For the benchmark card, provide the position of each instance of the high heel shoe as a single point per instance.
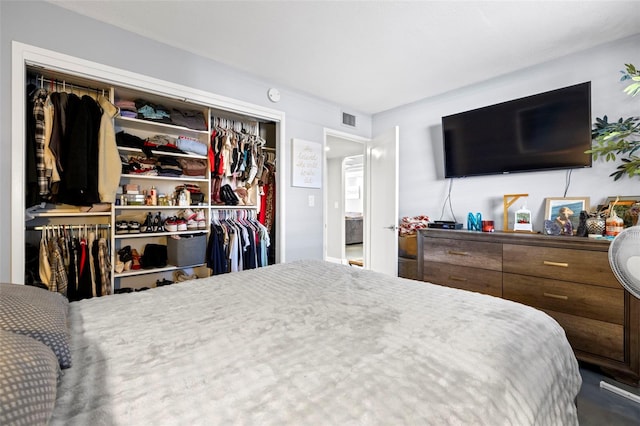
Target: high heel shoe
(157, 223)
(148, 224)
(135, 259)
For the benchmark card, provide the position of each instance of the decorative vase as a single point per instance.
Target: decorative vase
(614, 223)
(596, 224)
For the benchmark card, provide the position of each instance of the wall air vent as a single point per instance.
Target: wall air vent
(348, 119)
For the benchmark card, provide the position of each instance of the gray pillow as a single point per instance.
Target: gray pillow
(29, 374)
(37, 313)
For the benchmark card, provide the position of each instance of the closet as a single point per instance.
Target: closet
(140, 185)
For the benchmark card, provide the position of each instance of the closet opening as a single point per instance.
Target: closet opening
(46, 212)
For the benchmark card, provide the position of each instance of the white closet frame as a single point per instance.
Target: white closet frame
(24, 55)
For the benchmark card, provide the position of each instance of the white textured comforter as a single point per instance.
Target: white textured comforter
(312, 343)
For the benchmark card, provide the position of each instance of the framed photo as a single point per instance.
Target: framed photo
(624, 209)
(565, 213)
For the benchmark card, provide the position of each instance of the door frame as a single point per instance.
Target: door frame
(325, 190)
(24, 55)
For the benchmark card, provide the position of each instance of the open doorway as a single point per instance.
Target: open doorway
(344, 199)
(379, 194)
(353, 177)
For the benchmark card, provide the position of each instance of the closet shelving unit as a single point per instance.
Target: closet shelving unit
(164, 185)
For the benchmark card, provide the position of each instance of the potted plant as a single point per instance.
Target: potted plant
(621, 137)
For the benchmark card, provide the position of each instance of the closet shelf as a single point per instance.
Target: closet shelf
(154, 208)
(161, 153)
(69, 214)
(148, 125)
(143, 271)
(225, 207)
(158, 234)
(152, 177)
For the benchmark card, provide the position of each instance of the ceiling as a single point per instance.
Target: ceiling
(371, 56)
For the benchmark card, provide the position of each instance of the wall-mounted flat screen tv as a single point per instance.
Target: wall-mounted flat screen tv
(547, 131)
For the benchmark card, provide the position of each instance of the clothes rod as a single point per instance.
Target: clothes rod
(40, 80)
(74, 226)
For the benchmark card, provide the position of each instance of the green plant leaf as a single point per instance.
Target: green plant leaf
(621, 137)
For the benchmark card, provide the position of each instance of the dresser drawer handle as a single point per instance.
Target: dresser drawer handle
(563, 265)
(454, 278)
(556, 296)
(458, 253)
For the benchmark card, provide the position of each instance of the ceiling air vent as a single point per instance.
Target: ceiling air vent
(348, 119)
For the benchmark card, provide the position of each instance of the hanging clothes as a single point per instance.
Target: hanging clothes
(104, 267)
(77, 267)
(234, 156)
(80, 176)
(39, 99)
(32, 196)
(237, 242)
(108, 156)
(71, 149)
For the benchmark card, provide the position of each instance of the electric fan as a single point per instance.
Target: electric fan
(624, 258)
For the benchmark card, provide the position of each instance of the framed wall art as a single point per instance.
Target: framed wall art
(307, 164)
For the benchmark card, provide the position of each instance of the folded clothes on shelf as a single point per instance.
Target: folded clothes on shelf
(191, 145)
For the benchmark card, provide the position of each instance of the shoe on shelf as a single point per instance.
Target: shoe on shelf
(119, 266)
(188, 214)
(192, 225)
(122, 227)
(201, 219)
(181, 276)
(171, 224)
(134, 227)
(157, 222)
(124, 256)
(146, 225)
(181, 224)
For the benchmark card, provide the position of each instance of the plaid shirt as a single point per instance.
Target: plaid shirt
(39, 99)
(104, 266)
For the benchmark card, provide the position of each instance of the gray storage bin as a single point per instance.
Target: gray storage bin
(188, 250)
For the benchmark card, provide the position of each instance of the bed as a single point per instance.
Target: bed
(311, 342)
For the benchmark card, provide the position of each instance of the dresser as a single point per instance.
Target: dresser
(569, 278)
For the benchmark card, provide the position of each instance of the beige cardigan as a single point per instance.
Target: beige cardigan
(109, 165)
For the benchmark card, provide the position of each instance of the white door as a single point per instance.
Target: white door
(381, 217)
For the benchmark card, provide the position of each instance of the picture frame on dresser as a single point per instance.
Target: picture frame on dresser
(555, 206)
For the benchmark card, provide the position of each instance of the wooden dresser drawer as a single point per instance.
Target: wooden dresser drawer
(408, 268)
(464, 277)
(591, 336)
(588, 301)
(583, 266)
(465, 253)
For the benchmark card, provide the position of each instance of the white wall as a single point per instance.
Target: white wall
(335, 217)
(423, 189)
(47, 26)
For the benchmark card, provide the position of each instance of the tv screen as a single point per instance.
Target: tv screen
(547, 131)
